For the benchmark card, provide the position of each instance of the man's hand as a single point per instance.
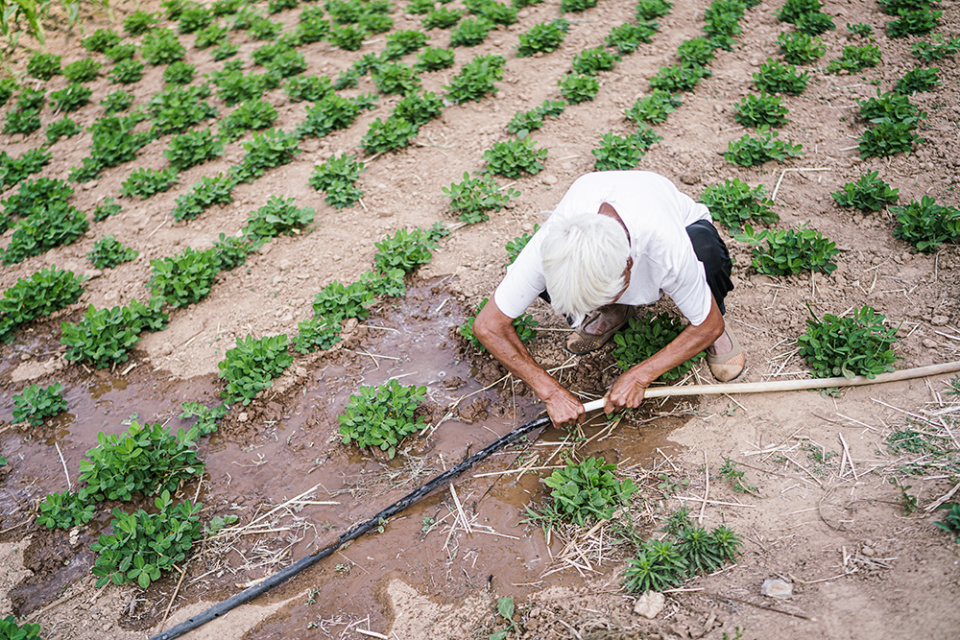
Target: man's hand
(626, 393)
(564, 409)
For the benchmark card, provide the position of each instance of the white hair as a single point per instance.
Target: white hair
(584, 256)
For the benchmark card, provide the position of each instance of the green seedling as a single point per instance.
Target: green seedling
(918, 80)
(759, 110)
(857, 345)
(644, 337)
(786, 251)
(628, 37)
(49, 289)
(733, 473)
(868, 193)
(678, 79)
(476, 79)
(143, 182)
(800, 48)
(515, 246)
(35, 404)
(617, 153)
(383, 416)
(545, 37)
(105, 337)
(926, 225)
(473, 199)
(592, 61)
(578, 88)
(751, 151)
(524, 325)
(734, 203)
(855, 58)
(251, 366)
(513, 158)
(108, 252)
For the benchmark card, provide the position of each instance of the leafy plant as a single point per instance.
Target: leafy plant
(577, 5)
(82, 70)
(749, 151)
(696, 52)
(722, 21)
(113, 102)
(785, 251)
(211, 36)
(234, 87)
(730, 471)
(404, 250)
(617, 153)
(861, 29)
(176, 109)
(926, 224)
(858, 345)
(644, 337)
(593, 61)
(337, 302)
(252, 365)
(10, 629)
(126, 72)
(473, 199)
(914, 22)
(143, 546)
(951, 522)
(383, 416)
(395, 78)
(101, 40)
(279, 216)
(104, 337)
(161, 46)
(654, 108)
(185, 278)
(937, 48)
(106, 209)
(232, 251)
(266, 150)
(868, 193)
(316, 334)
(46, 227)
(441, 18)
(71, 97)
(331, 113)
(140, 22)
(434, 59)
(578, 88)
(46, 291)
(207, 417)
(658, 566)
(800, 48)
(143, 182)
(887, 137)
(471, 32)
(192, 148)
(892, 105)
(524, 325)
(418, 109)
(347, 37)
(24, 121)
(652, 9)
(44, 65)
(505, 610)
(918, 80)
(515, 246)
(513, 158)
(585, 492)
(263, 29)
(734, 203)
(35, 404)
(250, 115)
(675, 79)
(400, 43)
(121, 52)
(765, 109)
(544, 37)
(34, 194)
(523, 122)
(337, 176)
(204, 193)
(855, 58)
(476, 79)
(64, 511)
(108, 252)
(627, 37)
(179, 72)
(193, 18)
(16, 170)
(309, 88)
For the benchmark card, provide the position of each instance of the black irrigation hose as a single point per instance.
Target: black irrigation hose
(413, 497)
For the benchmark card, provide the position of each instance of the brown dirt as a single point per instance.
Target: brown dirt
(860, 568)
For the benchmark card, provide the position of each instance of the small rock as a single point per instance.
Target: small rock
(300, 371)
(929, 344)
(243, 417)
(690, 177)
(166, 349)
(776, 588)
(867, 551)
(649, 605)
(549, 179)
(939, 321)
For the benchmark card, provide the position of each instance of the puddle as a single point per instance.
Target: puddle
(289, 445)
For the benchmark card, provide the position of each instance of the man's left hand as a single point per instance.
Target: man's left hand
(626, 393)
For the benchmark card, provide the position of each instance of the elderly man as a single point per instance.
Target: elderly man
(617, 239)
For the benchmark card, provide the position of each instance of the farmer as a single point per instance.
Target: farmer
(616, 240)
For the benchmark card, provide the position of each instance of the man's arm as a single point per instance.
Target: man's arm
(627, 392)
(495, 331)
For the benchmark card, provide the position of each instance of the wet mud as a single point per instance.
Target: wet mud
(286, 444)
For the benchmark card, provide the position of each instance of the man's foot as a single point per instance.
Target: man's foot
(725, 358)
(598, 328)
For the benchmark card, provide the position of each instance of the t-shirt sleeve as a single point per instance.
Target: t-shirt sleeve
(523, 283)
(686, 284)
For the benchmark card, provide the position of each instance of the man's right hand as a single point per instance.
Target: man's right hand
(564, 409)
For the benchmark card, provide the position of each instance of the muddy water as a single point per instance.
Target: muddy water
(287, 444)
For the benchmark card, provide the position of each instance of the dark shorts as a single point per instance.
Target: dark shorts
(712, 252)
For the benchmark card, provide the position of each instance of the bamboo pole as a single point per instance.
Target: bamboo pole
(790, 385)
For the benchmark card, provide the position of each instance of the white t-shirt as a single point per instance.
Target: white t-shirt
(656, 214)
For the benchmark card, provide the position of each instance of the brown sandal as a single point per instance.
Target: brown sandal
(730, 365)
(581, 343)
